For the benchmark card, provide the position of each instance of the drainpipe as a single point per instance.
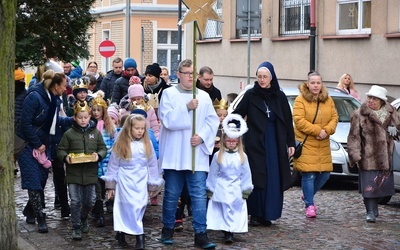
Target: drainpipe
(128, 28)
(312, 35)
(179, 32)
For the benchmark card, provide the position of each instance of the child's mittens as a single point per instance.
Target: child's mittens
(245, 194)
(209, 194)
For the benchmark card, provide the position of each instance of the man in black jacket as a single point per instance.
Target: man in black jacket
(107, 85)
(205, 82)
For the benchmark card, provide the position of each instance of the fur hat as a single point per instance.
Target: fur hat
(135, 90)
(130, 63)
(113, 113)
(19, 75)
(377, 91)
(234, 126)
(153, 69)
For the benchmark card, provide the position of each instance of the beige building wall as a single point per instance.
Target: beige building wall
(149, 15)
(370, 59)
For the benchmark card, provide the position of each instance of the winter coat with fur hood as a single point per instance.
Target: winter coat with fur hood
(316, 155)
(369, 143)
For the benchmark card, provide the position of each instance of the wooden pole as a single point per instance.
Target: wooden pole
(194, 93)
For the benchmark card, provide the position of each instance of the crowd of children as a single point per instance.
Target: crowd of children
(116, 163)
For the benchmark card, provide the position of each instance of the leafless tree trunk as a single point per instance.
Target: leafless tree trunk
(8, 227)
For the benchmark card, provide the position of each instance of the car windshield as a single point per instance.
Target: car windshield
(344, 106)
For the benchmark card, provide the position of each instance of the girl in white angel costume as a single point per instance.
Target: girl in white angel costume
(229, 181)
(133, 166)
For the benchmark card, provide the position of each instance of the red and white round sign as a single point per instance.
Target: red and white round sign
(107, 48)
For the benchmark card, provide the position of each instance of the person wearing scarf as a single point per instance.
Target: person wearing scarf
(205, 82)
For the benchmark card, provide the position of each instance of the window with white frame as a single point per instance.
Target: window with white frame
(214, 28)
(167, 50)
(295, 17)
(354, 17)
(242, 11)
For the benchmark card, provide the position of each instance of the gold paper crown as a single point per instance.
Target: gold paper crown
(223, 104)
(80, 83)
(139, 105)
(81, 107)
(99, 101)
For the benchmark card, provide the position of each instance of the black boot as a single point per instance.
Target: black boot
(42, 226)
(228, 237)
(98, 212)
(120, 237)
(29, 213)
(370, 207)
(376, 210)
(201, 240)
(167, 236)
(255, 221)
(139, 242)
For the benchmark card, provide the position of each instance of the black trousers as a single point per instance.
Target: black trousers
(59, 182)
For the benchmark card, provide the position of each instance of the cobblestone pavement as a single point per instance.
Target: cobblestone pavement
(340, 225)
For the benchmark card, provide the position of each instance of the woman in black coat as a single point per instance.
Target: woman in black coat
(269, 143)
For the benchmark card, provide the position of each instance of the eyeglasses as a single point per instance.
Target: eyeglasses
(186, 73)
(232, 141)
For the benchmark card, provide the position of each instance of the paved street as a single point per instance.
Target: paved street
(340, 225)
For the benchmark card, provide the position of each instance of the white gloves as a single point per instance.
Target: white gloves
(392, 130)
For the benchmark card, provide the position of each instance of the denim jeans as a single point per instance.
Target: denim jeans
(82, 198)
(196, 185)
(311, 182)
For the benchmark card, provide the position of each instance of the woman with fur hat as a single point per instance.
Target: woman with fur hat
(315, 162)
(154, 85)
(370, 144)
(269, 143)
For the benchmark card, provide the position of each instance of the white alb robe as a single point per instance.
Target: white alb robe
(227, 210)
(133, 177)
(176, 129)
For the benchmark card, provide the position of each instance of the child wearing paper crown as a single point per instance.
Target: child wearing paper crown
(108, 130)
(81, 177)
(79, 93)
(133, 166)
(229, 182)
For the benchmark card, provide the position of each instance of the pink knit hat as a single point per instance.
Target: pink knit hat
(135, 90)
(113, 113)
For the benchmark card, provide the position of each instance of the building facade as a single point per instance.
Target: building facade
(153, 32)
(359, 37)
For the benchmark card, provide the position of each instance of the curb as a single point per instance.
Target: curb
(23, 244)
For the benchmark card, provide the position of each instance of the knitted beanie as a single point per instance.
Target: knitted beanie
(113, 113)
(130, 63)
(153, 69)
(135, 90)
(19, 75)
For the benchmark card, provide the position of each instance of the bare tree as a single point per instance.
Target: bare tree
(8, 226)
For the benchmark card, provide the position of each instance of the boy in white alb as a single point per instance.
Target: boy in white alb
(176, 141)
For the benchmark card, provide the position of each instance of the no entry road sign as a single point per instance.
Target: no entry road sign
(107, 48)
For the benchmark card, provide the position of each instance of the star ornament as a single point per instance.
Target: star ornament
(200, 11)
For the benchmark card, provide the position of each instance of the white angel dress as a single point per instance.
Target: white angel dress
(227, 210)
(133, 177)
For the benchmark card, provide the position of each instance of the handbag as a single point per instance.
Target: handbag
(19, 145)
(299, 145)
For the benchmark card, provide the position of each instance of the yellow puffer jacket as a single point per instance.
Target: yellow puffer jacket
(316, 155)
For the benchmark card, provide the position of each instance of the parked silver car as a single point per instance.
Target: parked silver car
(345, 105)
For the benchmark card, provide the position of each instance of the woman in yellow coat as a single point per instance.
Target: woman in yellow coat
(315, 162)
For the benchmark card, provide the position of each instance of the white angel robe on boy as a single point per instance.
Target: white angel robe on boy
(176, 129)
(227, 210)
(133, 177)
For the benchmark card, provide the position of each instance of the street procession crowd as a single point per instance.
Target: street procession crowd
(114, 141)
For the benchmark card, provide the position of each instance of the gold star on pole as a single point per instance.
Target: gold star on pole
(200, 11)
